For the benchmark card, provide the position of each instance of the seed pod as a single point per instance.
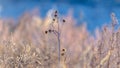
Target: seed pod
(63, 49)
(55, 15)
(63, 20)
(46, 32)
(50, 30)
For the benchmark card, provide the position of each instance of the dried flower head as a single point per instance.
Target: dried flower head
(63, 20)
(46, 32)
(63, 50)
(50, 30)
(55, 15)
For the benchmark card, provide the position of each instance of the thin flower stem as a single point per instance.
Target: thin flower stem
(59, 45)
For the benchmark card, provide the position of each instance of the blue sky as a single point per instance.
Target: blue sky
(95, 12)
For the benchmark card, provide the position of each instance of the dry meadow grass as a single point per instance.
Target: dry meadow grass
(31, 43)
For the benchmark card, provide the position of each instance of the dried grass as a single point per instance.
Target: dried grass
(25, 45)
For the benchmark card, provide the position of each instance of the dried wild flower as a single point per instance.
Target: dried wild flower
(63, 20)
(55, 15)
(50, 30)
(46, 32)
(63, 50)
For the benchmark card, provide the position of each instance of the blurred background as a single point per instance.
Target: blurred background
(93, 12)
